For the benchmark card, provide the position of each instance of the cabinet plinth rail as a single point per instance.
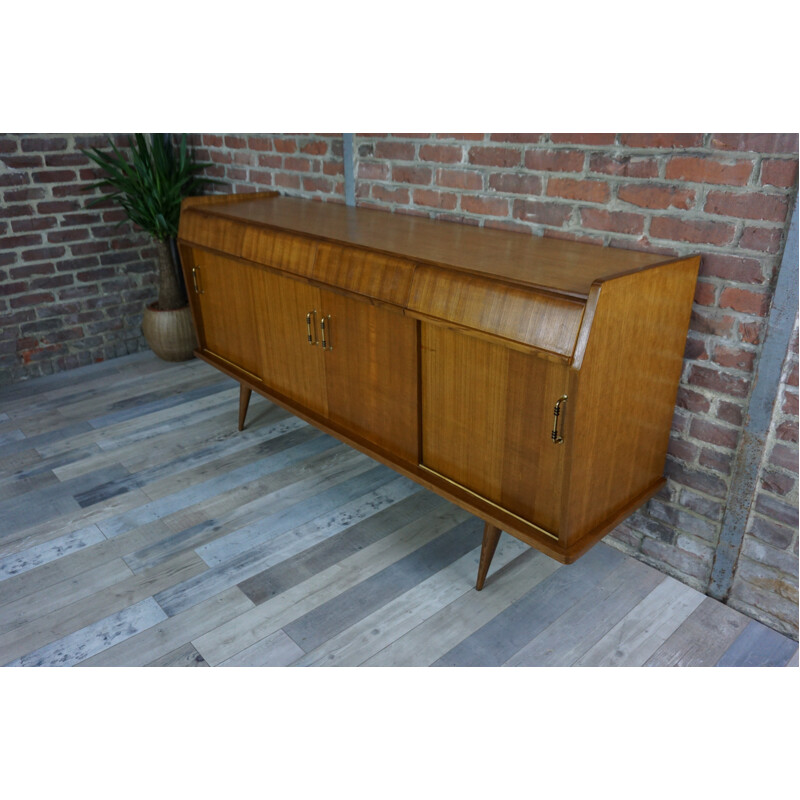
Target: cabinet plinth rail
(457, 355)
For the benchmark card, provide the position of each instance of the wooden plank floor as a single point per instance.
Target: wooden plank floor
(139, 527)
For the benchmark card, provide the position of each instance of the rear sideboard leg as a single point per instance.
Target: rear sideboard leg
(491, 536)
(244, 401)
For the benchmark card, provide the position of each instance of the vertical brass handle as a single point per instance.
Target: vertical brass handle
(557, 437)
(312, 335)
(324, 332)
(197, 288)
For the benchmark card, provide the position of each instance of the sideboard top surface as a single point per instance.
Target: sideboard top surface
(554, 265)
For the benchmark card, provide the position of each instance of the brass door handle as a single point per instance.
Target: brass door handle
(325, 328)
(197, 288)
(557, 437)
(312, 335)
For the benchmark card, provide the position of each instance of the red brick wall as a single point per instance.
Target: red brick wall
(725, 196)
(72, 283)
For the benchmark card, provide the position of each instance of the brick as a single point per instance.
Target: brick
(765, 240)
(395, 151)
(66, 160)
(22, 162)
(754, 205)
(787, 431)
(616, 221)
(692, 401)
(587, 190)
(730, 412)
(757, 142)
(541, 213)
(734, 357)
(391, 195)
(459, 179)
(516, 138)
(708, 170)
(317, 184)
(13, 288)
(686, 521)
(624, 166)
(745, 300)
(468, 137)
(554, 160)
(221, 157)
(784, 456)
(373, 171)
(681, 561)
(651, 195)
(235, 142)
(8, 144)
(750, 332)
(57, 206)
(443, 153)
(776, 509)
(514, 183)
(682, 450)
(705, 506)
(714, 434)
(489, 206)
(696, 479)
(770, 556)
(418, 175)
(314, 147)
(17, 210)
(30, 270)
(33, 144)
(733, 268)
(270, 160)
(14, 179)
(583, 138)
(723, 382)
(333, 168)
(434, 199)
(661, 140)
(693, 231)
(790, 404)
(288, 181)
(68, 235)
(297, 164)
(779, 172)
(495, 156)
(33, 299)
(259, 143)
(705, 294)
(711, 323)
(54, 176)
(714, 459)
(777, 482)
(21, 195)
(285, 145)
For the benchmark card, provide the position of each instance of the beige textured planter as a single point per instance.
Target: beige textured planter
(170, 334)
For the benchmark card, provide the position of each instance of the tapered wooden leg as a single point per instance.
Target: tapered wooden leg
(244, 401)
(491, 536)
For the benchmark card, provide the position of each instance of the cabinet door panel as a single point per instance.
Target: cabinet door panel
(292, 366)
(371, 373)
(487, 419)
(230, 322)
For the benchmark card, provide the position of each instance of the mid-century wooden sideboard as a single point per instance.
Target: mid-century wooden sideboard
(530, 380)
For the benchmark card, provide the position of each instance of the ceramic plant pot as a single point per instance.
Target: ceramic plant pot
(170, 334)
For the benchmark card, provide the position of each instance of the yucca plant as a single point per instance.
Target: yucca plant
(150, 185)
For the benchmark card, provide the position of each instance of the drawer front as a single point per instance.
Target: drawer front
(372, 275)
(537, 320)
(272, 248)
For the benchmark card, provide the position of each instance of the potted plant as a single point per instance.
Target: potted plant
(150, 186)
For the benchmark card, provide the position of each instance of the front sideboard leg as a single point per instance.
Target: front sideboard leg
(244, 401)
(491, 536)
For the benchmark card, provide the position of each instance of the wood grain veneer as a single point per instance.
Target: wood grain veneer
(530, 381)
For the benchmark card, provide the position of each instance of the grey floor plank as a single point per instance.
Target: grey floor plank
(183, 656)
(702, 639)
(319, 625)
(644, 628)
(574, 632)
(277, 650)
(758, 646)
(115, 476)
(87, 641)
(511, 630)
